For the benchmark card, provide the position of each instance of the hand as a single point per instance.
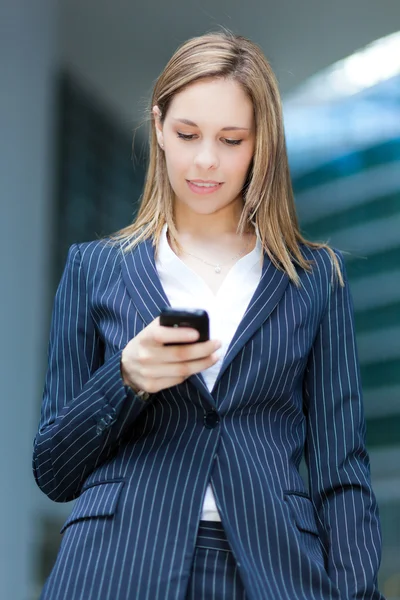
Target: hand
(148, 364)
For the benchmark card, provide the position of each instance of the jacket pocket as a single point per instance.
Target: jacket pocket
(98, 500)
(302, 510)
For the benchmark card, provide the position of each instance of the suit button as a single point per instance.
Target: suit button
(108, 419)
(101, 426)
(211, 419)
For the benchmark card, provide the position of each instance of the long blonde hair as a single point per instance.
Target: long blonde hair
(268, 195)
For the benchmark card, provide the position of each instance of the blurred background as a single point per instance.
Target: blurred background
(76, 78)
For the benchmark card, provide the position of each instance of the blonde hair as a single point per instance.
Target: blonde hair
(268, 195)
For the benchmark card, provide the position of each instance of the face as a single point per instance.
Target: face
(208, 137)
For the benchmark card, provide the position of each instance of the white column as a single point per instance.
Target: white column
(28, 62)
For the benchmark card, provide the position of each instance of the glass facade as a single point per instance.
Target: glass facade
(99, 184)
(345, 164)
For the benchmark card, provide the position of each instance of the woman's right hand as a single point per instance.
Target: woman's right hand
(148, 364)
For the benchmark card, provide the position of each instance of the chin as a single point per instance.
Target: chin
(206, 205)
(204, 210)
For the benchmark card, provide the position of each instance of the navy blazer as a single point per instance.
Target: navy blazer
(289, 385)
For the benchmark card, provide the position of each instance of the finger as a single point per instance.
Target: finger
(190, 352)
(174, 335)
(178, 370)
(157, 335)
(179, 353)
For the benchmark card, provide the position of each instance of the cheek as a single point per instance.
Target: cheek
(177, 160)
(238, 164)
(176, 167)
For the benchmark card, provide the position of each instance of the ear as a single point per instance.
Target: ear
(158, 125)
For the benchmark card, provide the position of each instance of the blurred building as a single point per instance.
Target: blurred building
(76, 78)
(344, 148)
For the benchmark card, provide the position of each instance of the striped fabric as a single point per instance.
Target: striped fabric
(290, 379)
(215, 575)
(211, 536)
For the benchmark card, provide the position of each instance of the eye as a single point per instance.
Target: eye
(185, 136)
(233, 142)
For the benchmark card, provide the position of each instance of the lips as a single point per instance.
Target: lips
(201, 186)
(207, 181)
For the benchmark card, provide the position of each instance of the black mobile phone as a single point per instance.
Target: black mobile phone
(187, 317)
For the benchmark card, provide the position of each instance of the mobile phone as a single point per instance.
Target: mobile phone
(194, 318)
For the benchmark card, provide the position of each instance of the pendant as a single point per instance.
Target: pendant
(217, 269)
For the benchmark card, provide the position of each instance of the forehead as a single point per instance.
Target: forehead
(218, 102)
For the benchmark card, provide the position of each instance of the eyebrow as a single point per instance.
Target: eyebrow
(230, 128)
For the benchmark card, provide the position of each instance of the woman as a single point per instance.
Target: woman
(184, 459)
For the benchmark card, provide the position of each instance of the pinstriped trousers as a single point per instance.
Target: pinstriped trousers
(215, 575)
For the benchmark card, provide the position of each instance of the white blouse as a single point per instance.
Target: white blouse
(184, 288)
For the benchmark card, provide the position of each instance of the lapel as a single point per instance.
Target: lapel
(272, 285)
(144, 286)
(141, 279)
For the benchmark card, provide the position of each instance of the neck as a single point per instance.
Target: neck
(208, 226)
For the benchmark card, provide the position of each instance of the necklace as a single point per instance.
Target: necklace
(218, 266)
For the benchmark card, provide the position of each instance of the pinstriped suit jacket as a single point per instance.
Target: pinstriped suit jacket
(289, 384)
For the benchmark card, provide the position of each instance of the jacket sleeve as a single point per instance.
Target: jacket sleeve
(86, 407)
(336, 456)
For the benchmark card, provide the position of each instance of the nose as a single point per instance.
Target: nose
(206, 157)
